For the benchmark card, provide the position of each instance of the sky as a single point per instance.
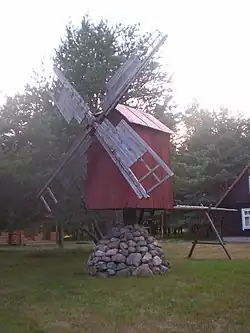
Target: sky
(207, 49)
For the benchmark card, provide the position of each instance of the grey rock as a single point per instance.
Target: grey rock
(151, 247)
(123, 245)
(142, 242)
(114, 245)
(142, 249)
(134, 259)
(129, 236)
(117, 233)
(141, 238)
(111, 272)
(124, 252)
(129, 226)
(136, 233)
(136, 239)
(159, 250)
(111, 252)
(106, 259)
(99, 253)
(122, 231)
(118, 258)
(157, 261)
(120, 266)
(90, 262)
(137, 226)
(163, 269)
(155, 243)
(143, 270)
(104, 241)
(111, 265)
(151, 239)
(153, 252)
(156, 269)
(131, 243)
(146, 258)
(101, 247)
(123, 272)
(150, 264)
(101, 266)
(114, 239)
(95, 260)
(131, 249)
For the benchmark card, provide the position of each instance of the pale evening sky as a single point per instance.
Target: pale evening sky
(207, 50)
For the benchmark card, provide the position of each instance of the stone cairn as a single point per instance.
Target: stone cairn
(127, 250)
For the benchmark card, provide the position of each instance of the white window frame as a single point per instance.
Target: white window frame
(244, 213)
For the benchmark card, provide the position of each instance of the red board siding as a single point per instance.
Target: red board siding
(107, 189)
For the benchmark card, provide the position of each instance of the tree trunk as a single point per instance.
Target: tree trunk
(129, 216)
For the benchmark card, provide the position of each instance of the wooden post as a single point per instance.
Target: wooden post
(60, 234)
(192, 249)
(162, 225)
(210, 243)
(218, 235)
(129, 216)
(140, 219)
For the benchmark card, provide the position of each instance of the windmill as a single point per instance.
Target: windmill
(124, 146)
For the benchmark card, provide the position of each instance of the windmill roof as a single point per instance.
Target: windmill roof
(138, 117)
(229, 189)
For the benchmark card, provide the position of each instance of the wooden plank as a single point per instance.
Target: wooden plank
(208, 243)
(149, 150)
(104, 139)
(45, 203)
(151, 171)
(153, 48)
(70, 103)
(203, 208)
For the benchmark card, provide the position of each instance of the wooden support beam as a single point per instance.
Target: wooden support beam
(217, 234)
(208, 243)
(140, 219)
(192, 249)
(220, 241)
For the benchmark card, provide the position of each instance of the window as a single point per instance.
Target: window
(245, 218)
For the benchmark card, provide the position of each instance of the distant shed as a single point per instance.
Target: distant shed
(106, 188)
(237, 196)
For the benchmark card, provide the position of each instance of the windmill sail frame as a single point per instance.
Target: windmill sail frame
(122, 143)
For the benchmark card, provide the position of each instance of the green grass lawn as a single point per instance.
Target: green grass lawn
(48, 291)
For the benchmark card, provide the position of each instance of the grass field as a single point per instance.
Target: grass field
(47, 291)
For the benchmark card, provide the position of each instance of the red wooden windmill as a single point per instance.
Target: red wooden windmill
(122, 154)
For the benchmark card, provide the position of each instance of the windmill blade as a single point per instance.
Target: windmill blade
(121, 81)
(70, 169)
(126, 147)
(69, 102)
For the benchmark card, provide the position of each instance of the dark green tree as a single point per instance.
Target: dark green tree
(33, 134)
(215, 148)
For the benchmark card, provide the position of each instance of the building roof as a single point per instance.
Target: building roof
(138, 117)
(233, 184)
